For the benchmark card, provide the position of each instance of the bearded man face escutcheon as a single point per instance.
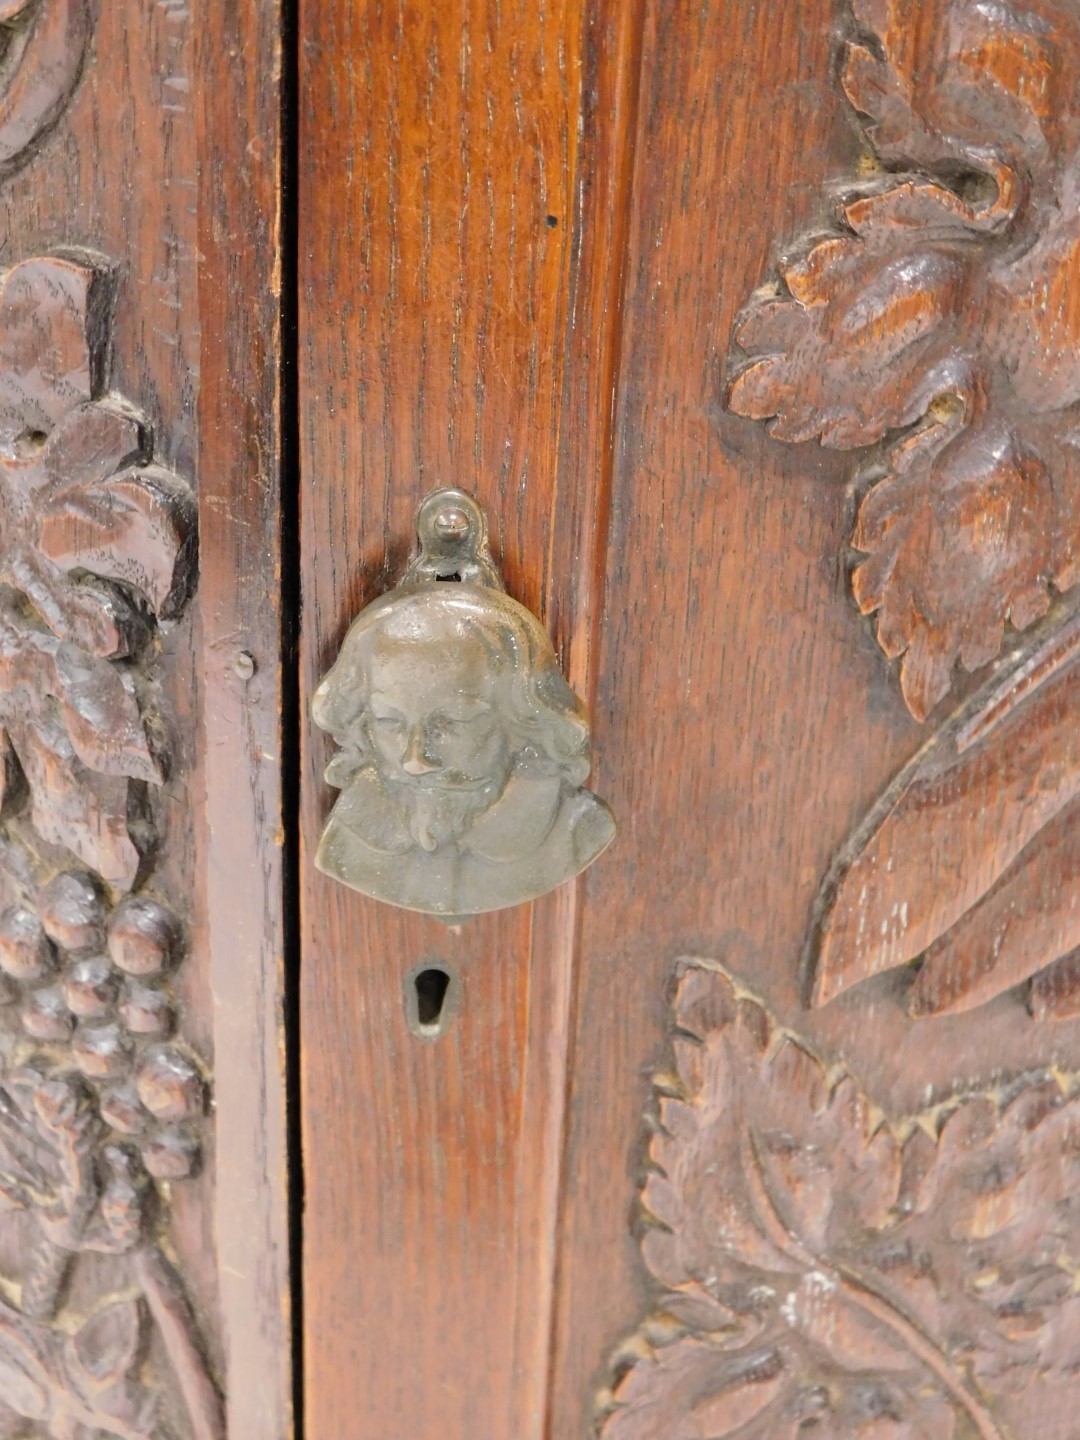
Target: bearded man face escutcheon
(463, 749)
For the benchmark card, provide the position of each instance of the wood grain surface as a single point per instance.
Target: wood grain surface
(247, 736)
(451, 333)
(784, 730)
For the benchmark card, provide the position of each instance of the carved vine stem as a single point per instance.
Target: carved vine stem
(861, 1293)
(172, 1315)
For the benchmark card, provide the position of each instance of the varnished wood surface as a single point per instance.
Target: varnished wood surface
(441, 181)
(436, 1216)
(471, 1261)
(165, 155)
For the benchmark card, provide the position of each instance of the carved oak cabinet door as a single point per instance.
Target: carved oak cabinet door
(143, 1205)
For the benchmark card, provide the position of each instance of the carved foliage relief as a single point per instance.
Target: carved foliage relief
(100, 1101)
(826, 1269)
(968, 863)
(942, 322)
(938, 332)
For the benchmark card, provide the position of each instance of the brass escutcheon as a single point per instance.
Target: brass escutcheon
(463, 750)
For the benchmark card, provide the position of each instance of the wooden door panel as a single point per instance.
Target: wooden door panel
(737, 647)
(752, 330)
(813, 887)
(455, 335)
(144, 1240)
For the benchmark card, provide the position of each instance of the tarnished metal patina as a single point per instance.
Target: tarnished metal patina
(463, 749)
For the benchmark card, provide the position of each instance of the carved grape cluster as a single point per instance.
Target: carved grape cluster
(97, 1098)
(93, 984)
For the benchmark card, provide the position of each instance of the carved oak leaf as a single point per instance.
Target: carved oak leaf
(824, 1266)
(969, 859)
(946, 305)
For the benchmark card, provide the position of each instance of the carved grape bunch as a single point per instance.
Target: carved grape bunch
(100, 1101)
(97, 545)
(99, 1098)
(96, 986)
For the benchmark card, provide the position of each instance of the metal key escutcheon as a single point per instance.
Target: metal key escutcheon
(463, 750)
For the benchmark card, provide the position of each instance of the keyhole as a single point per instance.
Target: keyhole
(430, 993)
